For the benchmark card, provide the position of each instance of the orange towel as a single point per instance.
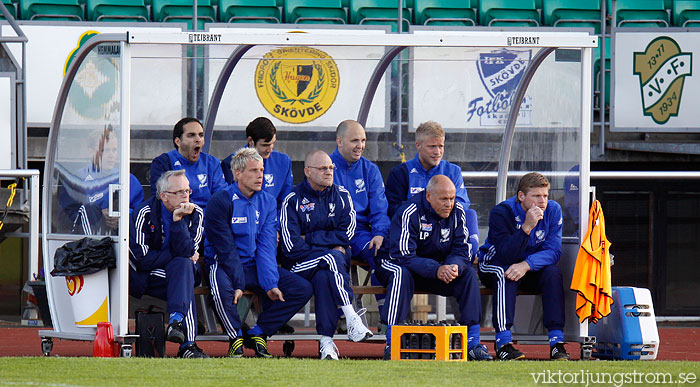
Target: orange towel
(592, 279)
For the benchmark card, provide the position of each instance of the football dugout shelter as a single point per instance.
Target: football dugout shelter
(511, 101)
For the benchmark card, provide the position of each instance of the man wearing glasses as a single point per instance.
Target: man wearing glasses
(317, 222)
(242, 226)
(165, 233)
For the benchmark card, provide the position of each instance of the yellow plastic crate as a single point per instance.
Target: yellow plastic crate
(441, 350)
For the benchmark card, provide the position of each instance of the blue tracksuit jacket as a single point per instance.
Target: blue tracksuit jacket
(278, 175)
(409, 178)
(154, 239)
(326, 219)
(507, 244)
(366, 186)
(205, 176)
(420, 240)
(83, 195)
(243, 232)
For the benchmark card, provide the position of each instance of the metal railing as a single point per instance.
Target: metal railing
(20, 87)
(33, 175)
(595, 174)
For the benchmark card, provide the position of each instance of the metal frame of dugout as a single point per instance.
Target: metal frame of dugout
(547, 41)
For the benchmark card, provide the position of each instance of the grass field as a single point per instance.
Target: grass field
(294, 372)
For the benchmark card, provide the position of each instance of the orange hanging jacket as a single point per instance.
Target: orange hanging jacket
(592, 279)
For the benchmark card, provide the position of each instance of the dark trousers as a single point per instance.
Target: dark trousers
(547, 281)
(401, 283)
(175, 284)
(296, 291)
(328, 274)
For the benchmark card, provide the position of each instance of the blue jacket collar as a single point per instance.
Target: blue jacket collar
(417, 162)
(184, 160)
(237, 191)
(516, 206)
(340, 161)
(164, 213)
(306, 188)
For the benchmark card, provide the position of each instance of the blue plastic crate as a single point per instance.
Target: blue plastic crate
(629, 332)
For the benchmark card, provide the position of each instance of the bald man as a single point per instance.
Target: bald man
(428, 250)
(364, 182)
(317, 222)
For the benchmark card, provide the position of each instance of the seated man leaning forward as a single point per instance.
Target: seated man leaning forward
(521, 252)
(317, 222)
(241, 224)
(165, 232)
(428, 250)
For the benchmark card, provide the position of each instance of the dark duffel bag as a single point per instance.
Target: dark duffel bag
(151, 331)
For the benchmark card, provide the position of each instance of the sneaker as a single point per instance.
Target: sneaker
(357, 331)
(235, 348)
(328, 349)
(192, 351)
(558, 352)
(259, 345)
(175, 333)
(480, 352)
(508, 352)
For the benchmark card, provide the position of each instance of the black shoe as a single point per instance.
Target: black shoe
(558, 352)
(387, 353)
(508, 352)
(192, 351)
(286, 329)
(235, 348)
(259, 345)
(175, 333)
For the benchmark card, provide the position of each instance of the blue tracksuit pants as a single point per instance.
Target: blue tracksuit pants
(328, 274)
(401, 283)
(547, 281)
(175, 284)
(296, 291)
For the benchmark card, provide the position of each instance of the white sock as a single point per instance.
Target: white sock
(348, 311)
(326, 338)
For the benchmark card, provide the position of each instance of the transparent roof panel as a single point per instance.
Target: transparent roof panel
(307, 90)
(86, 159)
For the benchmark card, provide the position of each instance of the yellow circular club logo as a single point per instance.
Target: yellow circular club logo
(297, 84)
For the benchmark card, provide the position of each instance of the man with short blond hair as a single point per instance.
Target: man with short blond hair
(411, 177)
(521, 252)
(165, 233)
(241, 225)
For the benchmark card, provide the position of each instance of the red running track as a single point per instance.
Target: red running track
(24, 341)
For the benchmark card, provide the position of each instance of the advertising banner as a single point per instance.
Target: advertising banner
(473, 88)
(303, 88)
(49, 49)
(654, 83)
